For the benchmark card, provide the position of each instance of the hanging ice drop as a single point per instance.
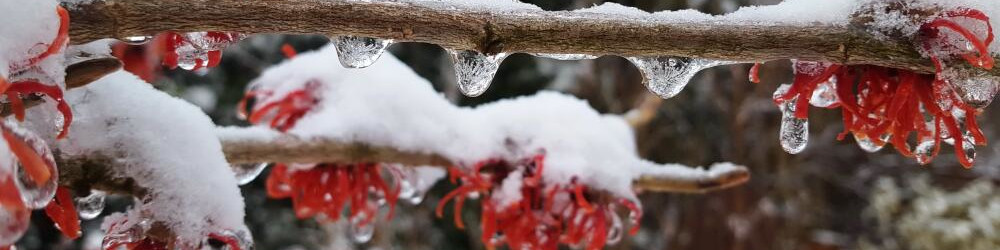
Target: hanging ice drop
(794, 132)
(90, 206)
(868, 145)
(474, 71)
(978, 92)
(137, 40)
(360, 52)
(361, 230)
(245, 173)
(666, 76)
(924, 152)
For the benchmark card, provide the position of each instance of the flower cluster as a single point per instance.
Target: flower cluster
(914, 112)
(190, 51)
(539, 215)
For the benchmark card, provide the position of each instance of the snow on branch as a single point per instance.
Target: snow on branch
(255, 145)
(757, 35)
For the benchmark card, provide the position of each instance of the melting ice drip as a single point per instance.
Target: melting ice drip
(474, 71)
(360, 52)
(666, 76)
(794, 132)
(245, 173)
(90, 206)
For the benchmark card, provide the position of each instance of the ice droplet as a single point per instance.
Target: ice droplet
(125, 232)
(924, 151)
(361, 231)
(867, 144)
(615, 231)
(137, 40)
(825, 94)
(360, 52)
(566, 57)
(474, 71)
(969, 148)
(245, 173)
(90, 206)
(13, 224)
(794, 132)
(978, 92)
(666, 76)
(34, 195)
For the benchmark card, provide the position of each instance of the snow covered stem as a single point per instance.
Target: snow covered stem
(94, 172)
(492, 32)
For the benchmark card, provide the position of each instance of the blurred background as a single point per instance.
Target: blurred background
(831, 196)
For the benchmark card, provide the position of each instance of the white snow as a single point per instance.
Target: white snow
(510, 189)
(166, 145)
(387, 104)
(28, 26)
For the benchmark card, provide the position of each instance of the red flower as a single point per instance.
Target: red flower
(327, 188)
(879, 102)
(546, 214)
(284, 112)
(64, 214)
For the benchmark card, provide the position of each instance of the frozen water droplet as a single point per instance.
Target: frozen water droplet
(825, 95)
(566, 57)
(969, 148)
(137, 40)
(34, 194)
(976, 91)
(794, 132)
(406, 190)
(615, 231)
(867, 144)
(13, 224)
(360, 230)
(360, 52)
(474, 71)
(124, 231)
(245, 173)
(666, 76)
(924, 152)
(91, 206)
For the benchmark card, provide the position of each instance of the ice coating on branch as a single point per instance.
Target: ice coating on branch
(403, 111)
(474, 71)
(667, 76)
(190, 186)
(789, 12)
(896, 20)
(359, 52)
(245, 173)
(566, 57)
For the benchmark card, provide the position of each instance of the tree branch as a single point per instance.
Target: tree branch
(250, 146)
(493, 32)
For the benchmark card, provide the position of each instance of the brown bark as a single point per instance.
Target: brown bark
(497, 31)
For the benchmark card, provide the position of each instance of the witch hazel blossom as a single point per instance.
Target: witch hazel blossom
(881, 105)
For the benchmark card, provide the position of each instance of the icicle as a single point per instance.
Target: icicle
(91, 206)
(566, 57)
(360, 52)
(194, 48)
(868, 145)
(123, 232)
(361, 230)
(667, 76)
(825, 95)
(794, 132)
(137, 40)
(474, 71)
(13, 224)
(245, 173)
